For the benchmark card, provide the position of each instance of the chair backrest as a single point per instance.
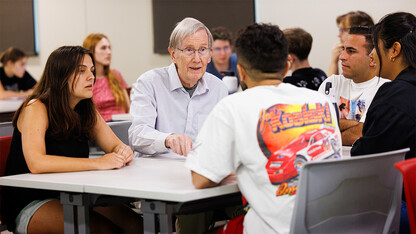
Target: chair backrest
(355, 195)
(121, 129)
(408, 170)
(5, 142)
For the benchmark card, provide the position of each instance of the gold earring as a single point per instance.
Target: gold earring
(392, 58)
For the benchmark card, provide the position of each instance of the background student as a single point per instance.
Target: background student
(51, 132)
(222, 57)
(110, 94)
(344, 23)
(15, 80)
(303, 75)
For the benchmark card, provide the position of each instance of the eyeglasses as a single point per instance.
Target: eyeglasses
(225, 48)
(190, 52)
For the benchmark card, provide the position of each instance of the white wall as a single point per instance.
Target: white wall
(127, 23)
(129, 26)
(318, 18)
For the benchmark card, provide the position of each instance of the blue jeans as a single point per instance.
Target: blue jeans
(404, 219)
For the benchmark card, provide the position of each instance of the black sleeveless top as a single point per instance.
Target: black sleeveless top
(14, 199)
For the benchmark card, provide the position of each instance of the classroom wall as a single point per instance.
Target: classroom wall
(128, 24)
(318, 18)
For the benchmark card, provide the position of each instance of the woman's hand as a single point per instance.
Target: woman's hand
(124, 151)
(111, 161)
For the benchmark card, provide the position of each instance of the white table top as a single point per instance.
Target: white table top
(10, 105)
(145, 178)
(346, 151)
(121, 117)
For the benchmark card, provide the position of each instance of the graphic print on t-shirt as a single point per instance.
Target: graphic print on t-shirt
(291, 135)
(351, 109)
(344, 108)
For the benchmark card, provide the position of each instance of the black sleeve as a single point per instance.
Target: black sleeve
(27, 82)
(386, 128)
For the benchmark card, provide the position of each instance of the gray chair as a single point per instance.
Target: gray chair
(120, 128)
(356, 195)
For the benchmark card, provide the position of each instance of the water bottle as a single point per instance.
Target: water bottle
(230, 80)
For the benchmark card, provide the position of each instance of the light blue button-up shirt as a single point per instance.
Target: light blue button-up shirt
(160, 106)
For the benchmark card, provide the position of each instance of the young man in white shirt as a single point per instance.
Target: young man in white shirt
(354, 90)
(264, 134)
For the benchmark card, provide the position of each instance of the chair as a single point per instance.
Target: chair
(408, 170)
(356, 195)
(121, 129)
(5, 142)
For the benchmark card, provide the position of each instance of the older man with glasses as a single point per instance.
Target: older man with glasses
(170, 104)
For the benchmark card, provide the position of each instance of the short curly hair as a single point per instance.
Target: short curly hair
(262, 47)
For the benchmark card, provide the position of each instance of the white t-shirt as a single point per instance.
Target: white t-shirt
(353, 99)
(258, 134)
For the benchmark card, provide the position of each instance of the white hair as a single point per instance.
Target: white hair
(186, 27)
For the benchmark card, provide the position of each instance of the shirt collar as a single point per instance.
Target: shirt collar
(175, 82)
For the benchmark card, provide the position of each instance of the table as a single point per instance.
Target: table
(122, 117)
(163, 186)
(346, 151)
(8, 107)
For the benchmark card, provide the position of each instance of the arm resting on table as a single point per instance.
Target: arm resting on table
(201, 182)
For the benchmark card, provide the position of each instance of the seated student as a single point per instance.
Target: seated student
(249, 131)
(303, 75)
(344, 23)
(110, 94)
(354, 90)
(222, 57)
(51, 132)
(391, 119)
(15, 81)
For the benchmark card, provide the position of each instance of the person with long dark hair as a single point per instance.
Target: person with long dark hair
(391, 118)
(51, 132)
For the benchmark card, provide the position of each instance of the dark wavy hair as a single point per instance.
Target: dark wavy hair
(262, 47)
(53, 90)
(397, 27)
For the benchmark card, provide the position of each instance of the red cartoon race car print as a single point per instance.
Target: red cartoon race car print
(315, 144)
